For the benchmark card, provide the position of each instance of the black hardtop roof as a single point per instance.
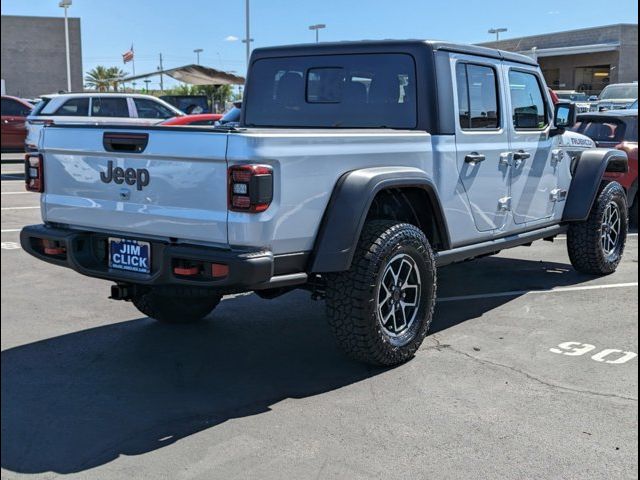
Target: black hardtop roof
(379, 46)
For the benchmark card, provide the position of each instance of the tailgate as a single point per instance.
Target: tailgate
(152, 182)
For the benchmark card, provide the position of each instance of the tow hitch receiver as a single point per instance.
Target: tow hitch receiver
(121, 292)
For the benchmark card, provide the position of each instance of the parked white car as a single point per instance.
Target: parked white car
(96, 108)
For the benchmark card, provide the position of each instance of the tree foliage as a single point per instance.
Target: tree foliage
(104, 78)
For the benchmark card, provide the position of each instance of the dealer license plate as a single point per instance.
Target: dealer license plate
(130, 255)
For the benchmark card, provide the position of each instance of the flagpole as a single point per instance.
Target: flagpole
(133, 61)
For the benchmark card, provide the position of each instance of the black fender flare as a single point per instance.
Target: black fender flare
(347, 210)
(587, 177)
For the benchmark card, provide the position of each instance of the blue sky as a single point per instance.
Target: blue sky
(176, 27)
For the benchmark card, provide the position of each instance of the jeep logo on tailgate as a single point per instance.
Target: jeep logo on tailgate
(131, 176)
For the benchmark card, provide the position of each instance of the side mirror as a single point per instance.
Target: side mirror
(565, 115)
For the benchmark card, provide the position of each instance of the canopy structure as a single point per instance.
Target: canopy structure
(195, 75)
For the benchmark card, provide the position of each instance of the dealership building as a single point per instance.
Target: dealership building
(586, 60)
(34, 55)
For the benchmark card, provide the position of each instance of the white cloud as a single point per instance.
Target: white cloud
(231, 38)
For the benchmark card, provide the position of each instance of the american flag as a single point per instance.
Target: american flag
(128, 55)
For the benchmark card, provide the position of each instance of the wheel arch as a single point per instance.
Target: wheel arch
(359, 195)
(587, 177)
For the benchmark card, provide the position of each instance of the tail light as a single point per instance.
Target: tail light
(250, 188)
(34, 173)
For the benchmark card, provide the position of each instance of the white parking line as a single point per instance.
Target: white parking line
(516, 293)
(19, 208)
(11, 230)
(14, 193)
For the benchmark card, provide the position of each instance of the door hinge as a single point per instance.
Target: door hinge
(558, 195)
(557, 156)
(504, 204)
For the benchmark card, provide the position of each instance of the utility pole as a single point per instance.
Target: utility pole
(66, 4)
(161, 78)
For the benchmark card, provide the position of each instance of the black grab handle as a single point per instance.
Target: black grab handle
(125, 142)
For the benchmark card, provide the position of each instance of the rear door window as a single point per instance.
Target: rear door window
(109, 107)
(477, 97)
(74, 107)
(339, 91)
(149, 109)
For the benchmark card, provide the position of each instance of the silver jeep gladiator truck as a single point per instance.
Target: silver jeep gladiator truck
(356, 171)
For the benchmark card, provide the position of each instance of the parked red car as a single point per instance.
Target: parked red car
(200, 119)
(14, 116)
(616, 129)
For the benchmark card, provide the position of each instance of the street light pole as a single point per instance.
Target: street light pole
(198, 51)
(66, 4)
(247, 38)
(317, 27)
(497, 31)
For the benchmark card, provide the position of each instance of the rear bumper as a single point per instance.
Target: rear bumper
(86, 253)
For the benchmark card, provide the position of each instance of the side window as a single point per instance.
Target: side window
(478, 106)
(150, 109)
(109, 107)
(529, 109)
(74, 107)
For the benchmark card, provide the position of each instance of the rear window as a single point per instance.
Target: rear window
(14, 108)
(339, 91)
(74, 107)
(109, 107)
(605, 130)
(619, 91)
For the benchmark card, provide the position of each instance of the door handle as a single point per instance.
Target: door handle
(519, 157)
(474, 157)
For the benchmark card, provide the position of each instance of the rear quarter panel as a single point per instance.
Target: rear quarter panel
(307, 165)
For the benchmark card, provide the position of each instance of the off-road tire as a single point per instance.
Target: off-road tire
(352, 296)
(175, 304)
(584, 238)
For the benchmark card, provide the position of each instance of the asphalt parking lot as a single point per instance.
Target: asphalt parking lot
(530, 371)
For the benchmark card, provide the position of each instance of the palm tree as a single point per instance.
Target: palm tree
(116, 75)
(103, 78)
(98, 78)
